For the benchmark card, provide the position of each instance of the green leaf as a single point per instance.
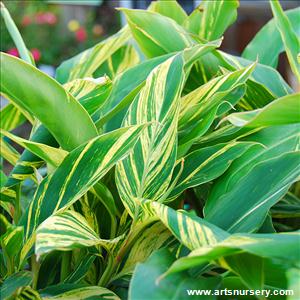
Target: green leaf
(267, 53)
(72, 292)
(80, 170)
(11, 117)
(127, 85)
(67, 231)
(211, 18)
(121, 60)
(147, 171)
(8, 152)
(156, 34)
(15, 35)
(289, 38)
(271, 179)
(199, 107)
(11, 244)
(153, 238)
(282, 111)
(250, 269)
(81, 269)
(53, 156)
(12, 283)
(87, 62)
(265, 75)
(206, 164)
(18, 84)
(91, 93)
(280, 246)
(294, 280)
(26, 164)
(191, 231)
(169, 9)
(145, 283)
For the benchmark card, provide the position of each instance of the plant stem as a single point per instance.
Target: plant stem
(15, 34)
(35, 268)
(17, 213)
(65, 265)
(113, 263)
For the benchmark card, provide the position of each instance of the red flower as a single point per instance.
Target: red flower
(81, 35)
(14, 52)
(26, 20)
(36, 54)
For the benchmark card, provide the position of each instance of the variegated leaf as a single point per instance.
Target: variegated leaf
(127, 84)
(151, 239)
(79, 171)
(90, 92)
(51, 155)
(191, 231)
(282, 247)
(282, 111)
(206, 164)
(69, 292)
(145, 26)
(201, 106)
(147, 171)
(11, 117)
(67, 231)
(289, 37)
(87, 62)
(211, 18)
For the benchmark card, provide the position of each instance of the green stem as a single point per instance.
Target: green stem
(15, 34)
(17, 213)
(113, 263)
(65, 265)
(35, 268)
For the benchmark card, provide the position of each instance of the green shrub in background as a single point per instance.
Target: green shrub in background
(154, 175)
(49, 35)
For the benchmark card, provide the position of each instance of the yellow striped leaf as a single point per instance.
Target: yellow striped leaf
(206, 164)
(11, 117)
(289, 37)
(79, 171)
(211, 18)
(201, 106)
(72, 293)
(67, 231)
(51, 155)
(147, 171)
(87, 62)
(280, 246)
(90, 92)
(156, 34)
(191, 231)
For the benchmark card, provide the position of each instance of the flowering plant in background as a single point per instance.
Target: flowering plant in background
(42, 27)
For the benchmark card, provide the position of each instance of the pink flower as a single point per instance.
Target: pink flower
(81, 35)
(26, 20)
(36, 54)
(14, 52)
(46, 18)
(39, 18)
(50, 18)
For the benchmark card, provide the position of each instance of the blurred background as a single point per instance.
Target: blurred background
(56, 30)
